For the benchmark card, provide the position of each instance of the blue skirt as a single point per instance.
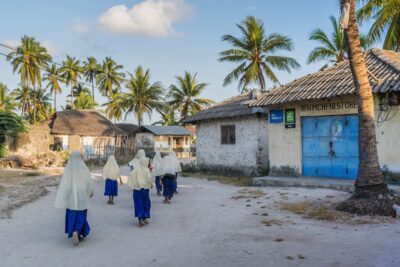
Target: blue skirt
(111, 188)
(169, 185)
(141, 201)
(158, 183)
(75, 221)
(176, 182)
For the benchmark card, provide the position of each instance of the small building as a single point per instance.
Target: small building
(87, 131)
(165, 139)
(313, 120)
(232, 137)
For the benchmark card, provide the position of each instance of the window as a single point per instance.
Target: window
(228, 135)
(65, 142)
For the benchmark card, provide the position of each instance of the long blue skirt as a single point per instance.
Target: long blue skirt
(111, 188)
(158, 183)
(168, 184)
(75, 221)
(141, 201)
(175, 182)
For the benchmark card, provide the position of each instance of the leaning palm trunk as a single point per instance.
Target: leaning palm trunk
(371, 192)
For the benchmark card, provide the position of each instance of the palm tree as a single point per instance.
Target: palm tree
(255, 53)
(28, 60)
(167, 116)
(90, 70)
(371, 192)
(142, 97)
(110, 78)
(7, 102)
(53, 76)
(386, 16)
(84, 100)
(71, 73)
(42, 105)
(333, 49)
(114, 107)
(185, 95)
(21, 95)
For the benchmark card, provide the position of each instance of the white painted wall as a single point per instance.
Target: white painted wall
(251, 144)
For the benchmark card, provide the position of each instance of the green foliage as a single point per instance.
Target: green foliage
(54, 79)
(10, 125)
(255, 52)
(84, 101)
(7, 101)
(71, 73)
(110, 79)
(90, 70)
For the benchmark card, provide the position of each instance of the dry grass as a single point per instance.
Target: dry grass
(236, 181)
(248, 193)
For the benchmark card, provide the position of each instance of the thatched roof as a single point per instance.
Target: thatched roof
(83, 123)
(128, 128)
(236, 106)
(384, 76)
(164, 130)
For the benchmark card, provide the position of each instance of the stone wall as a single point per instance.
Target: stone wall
(248, 156)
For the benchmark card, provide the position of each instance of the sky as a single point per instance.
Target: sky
(168, 37)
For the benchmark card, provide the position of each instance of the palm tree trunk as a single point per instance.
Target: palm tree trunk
(370, 182)
(72, 97)
(55, 101)
(34, 104)
(93, 90)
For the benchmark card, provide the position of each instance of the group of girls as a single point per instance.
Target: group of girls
(76, 188)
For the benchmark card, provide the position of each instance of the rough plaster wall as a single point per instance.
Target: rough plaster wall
(251, 132)
(74, 143)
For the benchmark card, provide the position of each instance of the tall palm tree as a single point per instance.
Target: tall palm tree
(185, 95)
(142, 96)
(110, 78)
(333, 49)
(386, 16)
(7, 102)
(114, 108)
(371, 191)
(90, 70)
(71, 73)
(54, 78)
(28, 60)
(84, 100)
(41, 104)
(21, 95)
(255, 52)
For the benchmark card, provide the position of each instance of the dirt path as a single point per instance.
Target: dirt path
(203, 227)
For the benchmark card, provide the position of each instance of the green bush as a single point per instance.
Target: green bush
(10, 125)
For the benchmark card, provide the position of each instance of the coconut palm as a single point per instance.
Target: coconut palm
(90, 70)
(371, 191)
(255, 52)
(71, 73)
(185, 95)
(110, 78)
(84, 100)
(21, 95)
(333, 49)
(28, 59)
(386, 16)
(114, 109)
(167, 114)
(41, 104)
(54, 80)
(7, 102)
(142, 96)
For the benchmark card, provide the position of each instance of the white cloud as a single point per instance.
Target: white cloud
(153, 18)
(80, 27)
(51, 48)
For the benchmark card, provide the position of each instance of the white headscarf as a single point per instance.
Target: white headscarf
(75, 186)
(136, 159)
(158, 165)
(175, 161)
(111, 169)
(169, 165)
(140, 177)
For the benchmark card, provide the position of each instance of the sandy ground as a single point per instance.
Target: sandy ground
(204, 226)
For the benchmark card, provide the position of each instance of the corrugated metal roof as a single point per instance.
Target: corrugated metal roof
(236, 106)
(164, 130)
(384, 75)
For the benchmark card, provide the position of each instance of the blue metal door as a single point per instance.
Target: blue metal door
(330, 146)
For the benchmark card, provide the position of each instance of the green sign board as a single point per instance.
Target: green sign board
(290, 118)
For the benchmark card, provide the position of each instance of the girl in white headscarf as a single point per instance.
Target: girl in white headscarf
(73, 194)
(140, 181)
(158, 171)
(178, 168)
(168, 179)
(111, 174)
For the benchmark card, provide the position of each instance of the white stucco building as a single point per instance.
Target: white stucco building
(232, 137)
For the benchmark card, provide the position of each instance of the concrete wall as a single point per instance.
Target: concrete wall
(249, 156)
(285, 144)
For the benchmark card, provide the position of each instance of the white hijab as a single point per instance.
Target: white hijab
(75, 186)
(140, 177)
(111, 169)
(158, 165)
(175, 161)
